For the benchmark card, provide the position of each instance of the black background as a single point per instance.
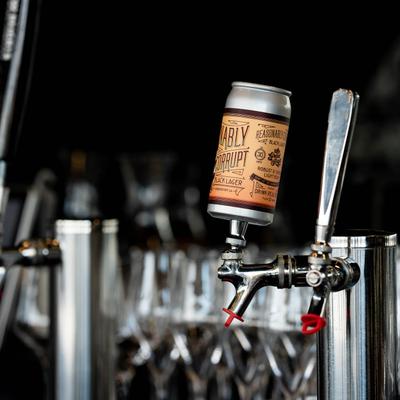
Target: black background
(110, 78)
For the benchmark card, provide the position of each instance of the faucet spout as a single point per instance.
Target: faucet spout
(248, 278)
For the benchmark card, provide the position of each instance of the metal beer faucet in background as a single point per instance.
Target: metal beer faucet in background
(20, 21)
(319, 270)
(18, 40)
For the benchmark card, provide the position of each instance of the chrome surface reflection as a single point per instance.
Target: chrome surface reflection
(86, 310)
(358, 349)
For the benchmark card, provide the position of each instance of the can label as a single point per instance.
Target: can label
(249, 159)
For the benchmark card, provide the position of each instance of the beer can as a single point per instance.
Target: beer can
(250, 153)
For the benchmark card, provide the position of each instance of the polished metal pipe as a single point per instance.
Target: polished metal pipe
(357, 351)
(85, 310)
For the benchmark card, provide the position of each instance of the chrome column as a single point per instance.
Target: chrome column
(357, 351)
(85, 309)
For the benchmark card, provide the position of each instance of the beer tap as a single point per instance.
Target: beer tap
(32, 253)
(318, 270)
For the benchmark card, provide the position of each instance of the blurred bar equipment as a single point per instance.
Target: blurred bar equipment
(319, 270)
(37, 196)
(11, 49)
(17, 51)
(85, 307)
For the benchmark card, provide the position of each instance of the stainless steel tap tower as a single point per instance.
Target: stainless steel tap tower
(357, 352)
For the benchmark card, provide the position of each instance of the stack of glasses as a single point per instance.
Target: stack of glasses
(171, 325)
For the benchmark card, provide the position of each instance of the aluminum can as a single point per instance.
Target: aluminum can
(250, 153)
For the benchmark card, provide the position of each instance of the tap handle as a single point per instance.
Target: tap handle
(341, 121)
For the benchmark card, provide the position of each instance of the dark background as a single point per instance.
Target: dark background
(109, 78)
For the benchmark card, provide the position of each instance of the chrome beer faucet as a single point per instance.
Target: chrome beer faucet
(319, 270)
(32, 253)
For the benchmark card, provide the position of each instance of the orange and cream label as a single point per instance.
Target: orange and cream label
(249, 159)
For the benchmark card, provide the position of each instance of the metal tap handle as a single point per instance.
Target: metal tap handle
(341, 121)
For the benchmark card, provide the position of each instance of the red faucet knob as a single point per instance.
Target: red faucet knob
(231, 317)
(312, 323)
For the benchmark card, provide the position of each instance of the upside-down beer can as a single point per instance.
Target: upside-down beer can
(250, 153)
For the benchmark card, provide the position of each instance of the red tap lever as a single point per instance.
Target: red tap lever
(312, 323)
(231, 317)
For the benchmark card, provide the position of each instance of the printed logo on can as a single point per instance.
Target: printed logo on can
(249, 159)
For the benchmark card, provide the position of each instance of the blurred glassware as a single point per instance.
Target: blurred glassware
(197, 294)
(292, 359)
(149, 295)
(81, 197)
(147, 185)
(242, 347)
(162, 200)
(187, 217)
(246, 362)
